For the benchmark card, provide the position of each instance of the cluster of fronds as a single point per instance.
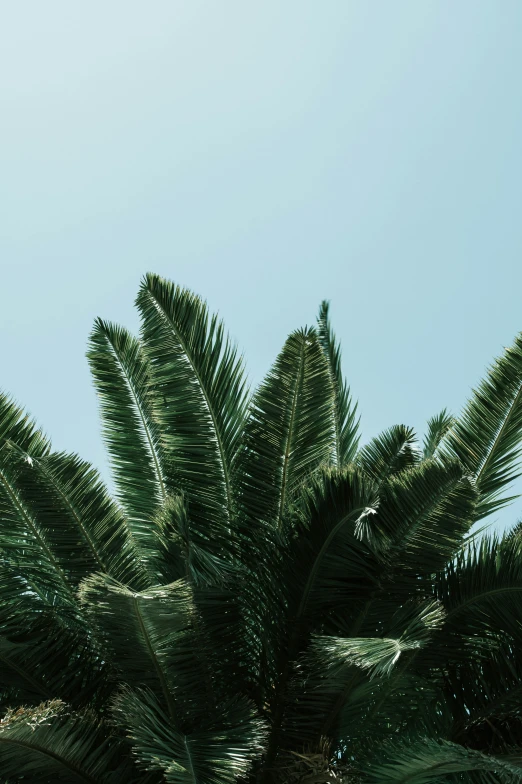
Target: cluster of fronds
(263, 600)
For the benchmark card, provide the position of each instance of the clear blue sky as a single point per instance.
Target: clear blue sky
(267, 155)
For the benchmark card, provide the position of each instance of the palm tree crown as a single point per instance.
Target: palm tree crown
(263, 600)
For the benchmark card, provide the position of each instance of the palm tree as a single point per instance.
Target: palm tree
(263, 600)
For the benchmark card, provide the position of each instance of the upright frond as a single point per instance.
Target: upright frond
(86, 531)
(289, 430)
(219, 753)
(487, 437)
(199, 379)
(130, 425)
(346, 422)
(438, 426)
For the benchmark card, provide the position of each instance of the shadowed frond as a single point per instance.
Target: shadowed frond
(51, 744)
(221, 754)
(85, 529)
(426, 760)
(141, 629)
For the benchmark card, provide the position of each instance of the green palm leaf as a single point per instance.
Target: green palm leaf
(438, 426)
(141, 629)
(220, 754)
(391, 452)
(424, 514)
(199, 379)
(426, 760)
(289, 431)
(16, 426)
(130, 424)
(85, 529)
(487, 436)
(51, 744)
(346, 425)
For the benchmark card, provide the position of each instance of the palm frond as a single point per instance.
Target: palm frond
(49, 743)
(199, 377)
(391, 452)
(289, 430)
(377, 655)
(424, 514)
(331, 674)
(438, 426)
(23, 541)
(487, 436)
(221, 754)
(47, 649)
(131, 429)
(141, 629)
(184, 548)
(16, 426)
(426, 760)
(481, 590)
(346, 423)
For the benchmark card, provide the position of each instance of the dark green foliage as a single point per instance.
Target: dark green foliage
(264, 602)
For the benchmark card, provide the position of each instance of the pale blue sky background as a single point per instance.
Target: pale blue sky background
(266, 154)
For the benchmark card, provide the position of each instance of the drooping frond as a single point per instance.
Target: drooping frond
(47, 649)
(86, 531)
(487, 437)
(438, 426)
(377, 655)
(184, 548)
(141, 629)
(130, 424)
(23, 540)
(51, 744)
(289, 430)
(424, 760)
(200, 382)
(389, 453)
(334, 670)
(221, 753)
(346, 422)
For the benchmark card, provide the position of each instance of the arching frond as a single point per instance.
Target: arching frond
(86, 531)
(199, 379)
(51, 744)
(289, 430)
(131, 429)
